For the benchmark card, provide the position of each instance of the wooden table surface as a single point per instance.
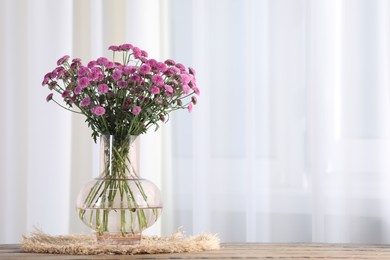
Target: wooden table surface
(234, 251)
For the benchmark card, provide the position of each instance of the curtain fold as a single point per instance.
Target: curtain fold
(288, 143)
(13, 139)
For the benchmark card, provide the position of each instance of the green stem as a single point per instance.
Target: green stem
(114, 187)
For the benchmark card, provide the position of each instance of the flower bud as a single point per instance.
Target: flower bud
(194, 100)
(49, 97)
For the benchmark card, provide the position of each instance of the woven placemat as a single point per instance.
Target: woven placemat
(39, 242)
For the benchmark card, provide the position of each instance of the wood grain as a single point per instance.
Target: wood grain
(235, 251)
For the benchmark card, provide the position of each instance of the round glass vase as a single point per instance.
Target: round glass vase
(118, 205)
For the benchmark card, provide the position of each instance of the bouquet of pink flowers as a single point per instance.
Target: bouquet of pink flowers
(122, 98)
(120, 101)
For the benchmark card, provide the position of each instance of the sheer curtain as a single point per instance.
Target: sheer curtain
(289, 141)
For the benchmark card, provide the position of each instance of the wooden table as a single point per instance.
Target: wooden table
(235, 251)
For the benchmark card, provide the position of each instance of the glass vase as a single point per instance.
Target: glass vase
(118, 205)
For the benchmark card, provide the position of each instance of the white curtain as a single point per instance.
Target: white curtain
(289, 142)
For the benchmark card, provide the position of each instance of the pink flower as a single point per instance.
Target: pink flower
(171, 71)
(137, 52)
(76, 60)
(93, 76)
(53, 74)
(117, 74)
(186, 89)
(96, 69)
(180, 66)
(45, 80)
(193, 82)
(143, 59)
(168, 88)
(49, 97)
(85, 102)
(113, 48)
(170, 62)
(77, 90)
(98, 110)
(83, 82)
(191, 71)
(168, 73)
(152, 63)
(144, 53)
(136, 110)
(125, 47)
(62, 60)
(48, 75)
(185, 78)
(60, 72)
(135, 88)
(129, 70)
(135, 78)
(65, 93)
(162, 67)
(82, 71)
(196, 90)
(154, 90)
(119, 66)
(103, 88)
(122, 84)
(74, 66)
(75, 63)
(56, 70)
(92, 64)
(145, 69)
(158, 80)
(102, 61)
(109, 64)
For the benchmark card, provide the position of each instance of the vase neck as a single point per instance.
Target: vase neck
(118, 157)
